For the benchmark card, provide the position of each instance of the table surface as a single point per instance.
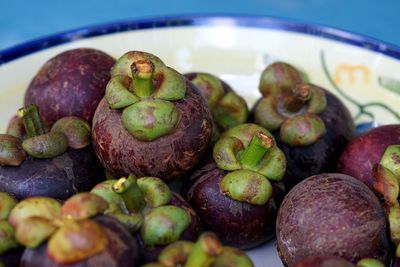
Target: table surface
(22, 20)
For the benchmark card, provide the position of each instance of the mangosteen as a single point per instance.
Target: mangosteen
(207, 251)
(310, 124)
(70, 84)
(152, 213)
(57, 163)
(228, 108)
(56, 235)
(152, 121)
(237, 194)
(332, 214)
(366, 150)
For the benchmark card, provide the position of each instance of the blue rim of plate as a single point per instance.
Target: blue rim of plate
(36, 45)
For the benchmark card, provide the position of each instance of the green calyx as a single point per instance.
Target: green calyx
(232, 257)
(250, 147)
(251, 153)
(67, 132)
(150, 119)
(176, 253)
(207, 251)
(231, 110)
(296, 111)
(144, 87)
(210, 88)
(48, 145)
(130, 192)
(302, 130)
(129, 198)
(246, 186)
(156, 192)
(164, 225)
(228, 108)
(117, 94)
(76, 130)
(391, 159)
(279, 77)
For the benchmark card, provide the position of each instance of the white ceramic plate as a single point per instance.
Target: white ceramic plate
(363, 72)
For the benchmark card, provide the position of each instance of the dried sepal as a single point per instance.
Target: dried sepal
(33, 231)
(77, 241)
(44, 207)
(386, 184)
(83, 206)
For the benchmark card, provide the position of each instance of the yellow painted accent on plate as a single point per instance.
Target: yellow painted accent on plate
(353, 73)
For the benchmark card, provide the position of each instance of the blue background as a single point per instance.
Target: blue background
(24, 20)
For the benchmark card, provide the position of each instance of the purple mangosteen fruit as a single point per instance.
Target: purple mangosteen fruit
(310, 124)
(365, 151)
(57, 163)
(238, 193)
(332, 214)
(154, 214)
(151, 122)
(70, 84)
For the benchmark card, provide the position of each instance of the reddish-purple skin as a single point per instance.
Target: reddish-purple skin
(323, 261)
(70, 84)
(191, 233)
(323, 155)
(166, 157)
(122, 250)
(60, 177)
(331, 214)
(366, 150)
(236, 223)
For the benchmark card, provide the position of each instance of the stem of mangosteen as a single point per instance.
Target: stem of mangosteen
(32, 121)
(204, 250)
(130, 193)
(142, 74)
(255, 151)
(300, 94)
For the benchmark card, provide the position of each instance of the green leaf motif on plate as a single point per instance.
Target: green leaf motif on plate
(390, 84)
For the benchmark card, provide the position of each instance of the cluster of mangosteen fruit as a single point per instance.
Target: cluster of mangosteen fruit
(86, 164)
